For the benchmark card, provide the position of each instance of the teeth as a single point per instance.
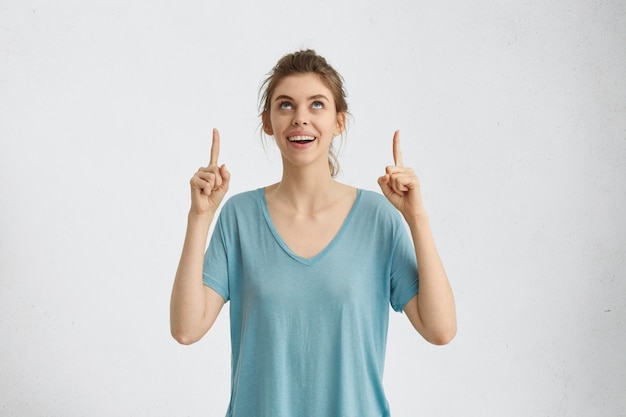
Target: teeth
(301, 138)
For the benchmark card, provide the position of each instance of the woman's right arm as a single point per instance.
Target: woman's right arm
(194, 306)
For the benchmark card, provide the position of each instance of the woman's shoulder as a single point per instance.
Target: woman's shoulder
(374, 199)
(244, 196)
(243, 201)
(376, 207)
(372, 196)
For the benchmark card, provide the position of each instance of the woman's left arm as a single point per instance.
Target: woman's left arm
(432, 311)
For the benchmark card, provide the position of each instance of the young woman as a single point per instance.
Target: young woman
(309, 265)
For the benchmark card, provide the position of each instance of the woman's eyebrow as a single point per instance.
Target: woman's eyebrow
(318, 97)
(283, 97)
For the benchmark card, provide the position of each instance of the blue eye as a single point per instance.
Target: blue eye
(317, 105)
(285, 105)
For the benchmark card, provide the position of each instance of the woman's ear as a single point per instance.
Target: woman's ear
(341, 123)
(267, 127)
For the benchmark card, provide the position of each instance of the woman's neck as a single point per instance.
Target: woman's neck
(305, 189)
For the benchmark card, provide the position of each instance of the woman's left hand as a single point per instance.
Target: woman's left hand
(401, 186)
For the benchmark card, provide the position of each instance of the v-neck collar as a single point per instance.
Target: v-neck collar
(285, 247)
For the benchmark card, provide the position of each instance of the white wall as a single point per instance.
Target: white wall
(512, 113)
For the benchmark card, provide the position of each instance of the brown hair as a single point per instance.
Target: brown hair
(302, 62)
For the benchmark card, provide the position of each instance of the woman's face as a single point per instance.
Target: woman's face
(303, 119)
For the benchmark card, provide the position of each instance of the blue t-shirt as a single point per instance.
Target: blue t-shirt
(308, 336)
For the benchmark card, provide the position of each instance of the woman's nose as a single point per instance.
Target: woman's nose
(300, 119)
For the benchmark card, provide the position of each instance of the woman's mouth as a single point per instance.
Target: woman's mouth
(301, 139)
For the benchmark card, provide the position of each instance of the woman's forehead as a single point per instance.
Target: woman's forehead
(307, 85)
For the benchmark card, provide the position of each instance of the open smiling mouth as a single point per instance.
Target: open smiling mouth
(301, 139)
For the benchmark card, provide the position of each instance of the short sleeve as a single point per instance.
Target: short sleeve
(404, 271)
(215, 267)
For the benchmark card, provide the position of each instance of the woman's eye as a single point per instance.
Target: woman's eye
(285, 105)
(317, 105)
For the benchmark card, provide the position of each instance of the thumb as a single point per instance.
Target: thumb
(225, 174)
(383, 182)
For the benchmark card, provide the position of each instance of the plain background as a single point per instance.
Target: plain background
(513, 114)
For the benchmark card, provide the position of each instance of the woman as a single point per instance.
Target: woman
(309, 265)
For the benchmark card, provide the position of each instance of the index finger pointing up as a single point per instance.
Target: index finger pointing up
(397, 153)
(215, 148)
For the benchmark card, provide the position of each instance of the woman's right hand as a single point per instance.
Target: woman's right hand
(210, 184)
